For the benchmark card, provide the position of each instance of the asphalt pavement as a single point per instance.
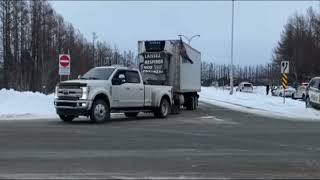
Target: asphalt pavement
(209, 143)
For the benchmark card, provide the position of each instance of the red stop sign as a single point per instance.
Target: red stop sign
(64, 60)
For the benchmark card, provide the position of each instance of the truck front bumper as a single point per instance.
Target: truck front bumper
(75, 108)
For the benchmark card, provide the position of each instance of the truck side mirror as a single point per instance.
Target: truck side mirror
(79, 76)
(116, 81)
(122, 78)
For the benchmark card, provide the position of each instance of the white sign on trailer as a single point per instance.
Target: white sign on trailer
(64, 64)
(285, 67)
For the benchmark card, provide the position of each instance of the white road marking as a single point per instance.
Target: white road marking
(215, 120)
(207, 117)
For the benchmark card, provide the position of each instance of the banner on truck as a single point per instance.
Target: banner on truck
(153, 63)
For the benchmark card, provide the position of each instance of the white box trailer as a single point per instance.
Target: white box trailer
(173, 63)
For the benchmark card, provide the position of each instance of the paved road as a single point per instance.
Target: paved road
(211, 142)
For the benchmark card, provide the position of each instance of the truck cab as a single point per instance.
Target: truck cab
(103, 90)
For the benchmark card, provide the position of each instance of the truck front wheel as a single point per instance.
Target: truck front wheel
(100, 111)
(66, 118)
(163, 110)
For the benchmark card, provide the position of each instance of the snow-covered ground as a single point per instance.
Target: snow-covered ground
(25, 105)
(259, 103)
(29, 105)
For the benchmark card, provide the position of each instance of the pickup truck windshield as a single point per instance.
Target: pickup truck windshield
(98, 74)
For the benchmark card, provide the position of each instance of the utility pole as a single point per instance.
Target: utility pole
(231, 69)
(94, 37)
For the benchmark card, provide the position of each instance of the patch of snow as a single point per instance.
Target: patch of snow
(259, 103)
(212, 118)
(26, 105)
(207, 117)
(30, 105)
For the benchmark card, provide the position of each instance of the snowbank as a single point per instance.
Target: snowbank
(29, 105)
(259, 103)
(25, 105)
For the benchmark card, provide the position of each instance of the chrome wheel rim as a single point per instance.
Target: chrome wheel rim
(164, 107)
(100, 112)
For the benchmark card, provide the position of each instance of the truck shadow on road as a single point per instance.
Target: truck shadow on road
(113, 120)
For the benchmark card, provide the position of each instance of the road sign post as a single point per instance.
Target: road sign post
(64, 65)
(285, 80)
(284, 96)
(284, 84)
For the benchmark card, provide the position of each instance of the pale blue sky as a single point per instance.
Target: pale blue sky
(257, 27)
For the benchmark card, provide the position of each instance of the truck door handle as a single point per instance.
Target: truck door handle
(127, 88)
(141, 89)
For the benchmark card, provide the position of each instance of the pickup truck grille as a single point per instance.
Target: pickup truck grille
(69, 94)
(70, 91)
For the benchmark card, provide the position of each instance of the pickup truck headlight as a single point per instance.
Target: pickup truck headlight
(56, 93)
(85, 92)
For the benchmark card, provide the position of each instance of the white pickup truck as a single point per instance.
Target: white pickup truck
(103, 90)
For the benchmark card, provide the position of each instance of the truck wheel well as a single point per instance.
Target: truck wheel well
(102, 97)
(167, 98)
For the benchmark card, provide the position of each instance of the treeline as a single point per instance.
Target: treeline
(31, 39)
(258, 75)
(300, 44)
